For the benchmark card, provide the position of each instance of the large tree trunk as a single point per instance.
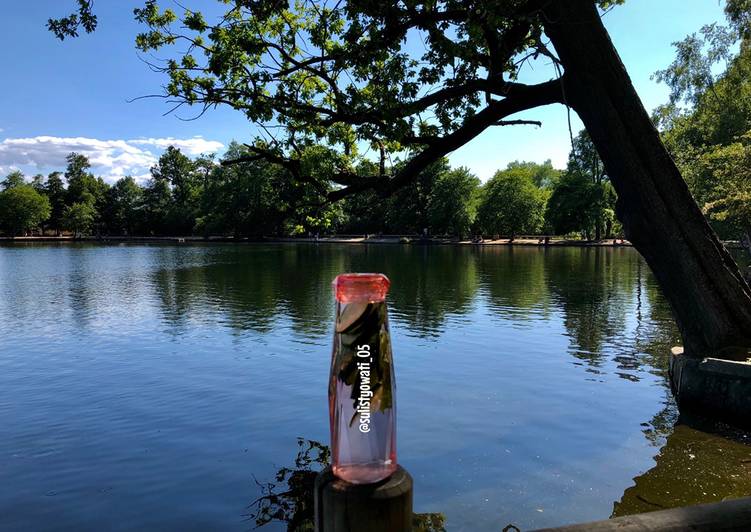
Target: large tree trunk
(711, 302)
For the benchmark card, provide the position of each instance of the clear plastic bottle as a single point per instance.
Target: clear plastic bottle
(362, 406)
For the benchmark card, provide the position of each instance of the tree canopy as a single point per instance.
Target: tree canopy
(511, 203)
(582, 200)
(22, 208)
(351, 76)
(328, 83)
(707, 121)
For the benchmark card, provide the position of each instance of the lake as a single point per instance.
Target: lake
(162, 387)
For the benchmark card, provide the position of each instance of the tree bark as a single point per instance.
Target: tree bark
(711, 301)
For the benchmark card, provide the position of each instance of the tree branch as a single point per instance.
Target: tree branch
(520, 98)
(518, 123)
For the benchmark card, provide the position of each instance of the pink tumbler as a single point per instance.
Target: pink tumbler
(362, 408)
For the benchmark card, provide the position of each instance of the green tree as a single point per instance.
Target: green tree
(243, 199)
(582, 200)
(204, 166)
(301, 201)
(56, 192)
(157, 201)
(690, 75)
(569, 208)
(79, 218)
(13, 179)
(578, 205)
(453, 202)
(84, 187)
(179, 172)
(408, 209)
(38, 183)
(585, 160)
(511, 204)
(364, 212)
(22, 208)
(247, 196)
(729, 200)
(543, 175)
(709, 137)
(80, 180)
(347, 78)
(125, 206)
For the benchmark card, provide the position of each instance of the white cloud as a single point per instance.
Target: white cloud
(111, 159)
(193, 147)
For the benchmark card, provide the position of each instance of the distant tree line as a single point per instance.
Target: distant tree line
(254, 197)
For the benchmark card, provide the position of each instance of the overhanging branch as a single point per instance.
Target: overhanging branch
(519, 98)
(518, 123)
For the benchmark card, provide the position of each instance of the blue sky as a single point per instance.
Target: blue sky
(60, 97)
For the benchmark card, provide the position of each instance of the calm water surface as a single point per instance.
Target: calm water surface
(162, 387)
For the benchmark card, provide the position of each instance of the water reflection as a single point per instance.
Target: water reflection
(251, 291)
(532, 384)
(594, 310)
(602, 295)
(515, 281)
(289, 498)
(596, 291)
(697, 463)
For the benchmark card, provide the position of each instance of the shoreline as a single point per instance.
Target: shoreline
(337, 239)
(415, 240)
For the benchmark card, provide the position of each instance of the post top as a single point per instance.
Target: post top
(361, 287)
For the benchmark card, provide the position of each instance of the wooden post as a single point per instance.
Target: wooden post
(714, 387)
(382, 507)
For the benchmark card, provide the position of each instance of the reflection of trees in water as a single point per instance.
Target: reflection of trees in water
(515, 280)
(612, 307)
(251, 285)
(304, 278)
(289, 497)
(656, 332)
(593, 288)
(85, 287)
(91, 281)
(177, 292)
(698, 463)
(608, 300)
(247, 287)
(429, 283)
(661, 426)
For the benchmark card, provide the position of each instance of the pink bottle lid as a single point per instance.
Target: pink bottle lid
(361, 287)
